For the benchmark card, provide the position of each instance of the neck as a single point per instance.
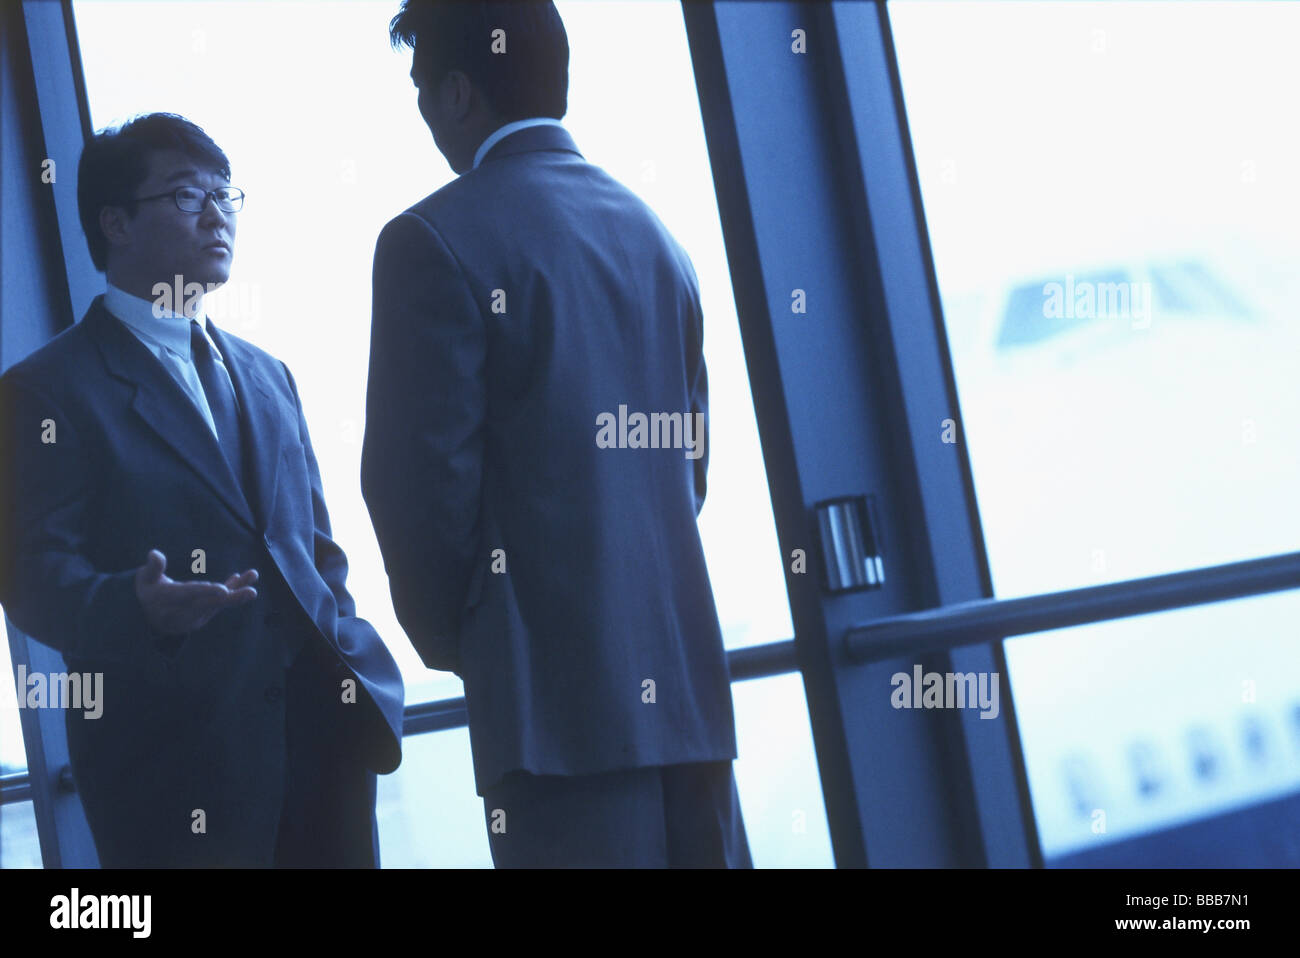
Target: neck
(134, 285)
(171, 295)
(484, 127)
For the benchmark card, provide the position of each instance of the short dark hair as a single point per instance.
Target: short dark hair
(115, 162)
(531, 78)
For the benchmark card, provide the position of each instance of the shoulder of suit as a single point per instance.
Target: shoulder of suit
(471, 196)
(55, 360)
(469, 188)
(458, 192)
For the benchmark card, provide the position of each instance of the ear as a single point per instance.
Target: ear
(114, 224)
(457, 95)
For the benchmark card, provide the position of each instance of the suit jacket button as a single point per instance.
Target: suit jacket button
(273, 694)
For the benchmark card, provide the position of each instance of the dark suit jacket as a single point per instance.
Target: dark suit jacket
(196, 721)
(511, 308)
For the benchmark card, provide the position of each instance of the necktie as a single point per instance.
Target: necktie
(221, 400)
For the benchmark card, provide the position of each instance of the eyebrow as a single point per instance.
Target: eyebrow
(190, 174)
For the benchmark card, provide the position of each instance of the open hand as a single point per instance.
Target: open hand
(175, 607)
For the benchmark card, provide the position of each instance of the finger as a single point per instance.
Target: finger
(239, 596)
(240, 579)
(154, 564)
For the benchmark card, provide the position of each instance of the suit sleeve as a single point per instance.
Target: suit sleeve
(422, 457)
(48, 586)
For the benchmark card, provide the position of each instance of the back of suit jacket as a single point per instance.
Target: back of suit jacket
(515, 310)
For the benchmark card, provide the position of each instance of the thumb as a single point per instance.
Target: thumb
(154, 564)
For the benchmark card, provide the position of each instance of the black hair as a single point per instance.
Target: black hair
(531, 78)
(115, 162)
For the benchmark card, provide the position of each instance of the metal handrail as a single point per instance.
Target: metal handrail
(988, 620)
(15, 787)
(949, 627)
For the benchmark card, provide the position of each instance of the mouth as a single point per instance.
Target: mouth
(219, 246)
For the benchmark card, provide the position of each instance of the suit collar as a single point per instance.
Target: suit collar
(170, 413)
(169, 330)
(532, 139)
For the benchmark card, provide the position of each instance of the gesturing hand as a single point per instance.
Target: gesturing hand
(174, 607)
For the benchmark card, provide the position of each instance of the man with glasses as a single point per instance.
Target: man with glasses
(163, 525)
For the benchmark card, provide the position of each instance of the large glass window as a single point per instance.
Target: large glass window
(318, 117)
(1111, 202)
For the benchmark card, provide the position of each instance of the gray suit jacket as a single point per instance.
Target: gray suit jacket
(564, 581)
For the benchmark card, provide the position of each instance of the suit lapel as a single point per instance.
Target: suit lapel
(165, 407)
(260, 411)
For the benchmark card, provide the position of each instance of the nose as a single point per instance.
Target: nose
(212, 213)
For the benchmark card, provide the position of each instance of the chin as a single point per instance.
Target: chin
(208, 277)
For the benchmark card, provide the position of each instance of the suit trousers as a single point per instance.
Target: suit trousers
(669, 816)
(328, 817)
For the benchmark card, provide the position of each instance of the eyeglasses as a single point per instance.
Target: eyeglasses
(191, 199)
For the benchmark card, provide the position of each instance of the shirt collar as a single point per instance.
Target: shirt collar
(162, 326)
(504, 131)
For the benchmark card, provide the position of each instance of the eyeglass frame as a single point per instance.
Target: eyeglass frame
(207, 194)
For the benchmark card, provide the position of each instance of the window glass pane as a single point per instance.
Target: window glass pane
(1111, 202)
(19, 846)
(13, 756)
(1115, 245)
(326, 156)
(1156, 721)
(429, 815)
(777, 777)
